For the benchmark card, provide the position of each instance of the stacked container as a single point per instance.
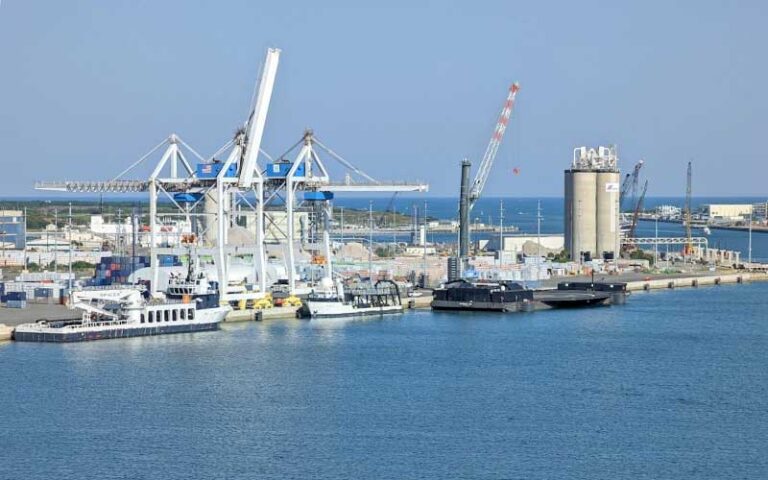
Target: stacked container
(34, 292)
(116, 270)
(16, 300)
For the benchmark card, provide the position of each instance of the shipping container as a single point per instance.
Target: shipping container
(281, 169)
(12, 296)
(211, 170)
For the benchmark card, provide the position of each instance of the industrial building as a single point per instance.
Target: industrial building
(760, 211)
(12, 229)
(526, 244)
(718, 213)
(592, 194)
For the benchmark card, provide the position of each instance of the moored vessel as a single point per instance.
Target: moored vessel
(489, 296)
(122, 312)
(380, 298)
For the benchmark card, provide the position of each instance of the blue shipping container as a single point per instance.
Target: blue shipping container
(16, 304)
(187, 197)
(281, 169)
(318, 196)
(211, 170)
(16, 296)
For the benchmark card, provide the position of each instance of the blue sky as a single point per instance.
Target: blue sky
(402, 89)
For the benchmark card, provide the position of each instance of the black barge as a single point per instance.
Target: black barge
(483, 296)
(583, 294)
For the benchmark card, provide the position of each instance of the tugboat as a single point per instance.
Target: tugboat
(121, 312)
(488, 296)
(383, 297)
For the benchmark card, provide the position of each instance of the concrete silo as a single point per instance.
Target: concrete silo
(607, 232)
(592, 204)
(584, 214)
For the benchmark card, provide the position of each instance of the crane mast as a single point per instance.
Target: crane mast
(469, 194)
(629, 186)
(638, 208)
(493, 146)
(688, 250)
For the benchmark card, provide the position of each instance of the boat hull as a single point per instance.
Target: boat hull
(453, 305)
(572, 299)
(111, 333)
(332, 310)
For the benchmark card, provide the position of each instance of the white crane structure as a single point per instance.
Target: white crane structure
(238, 188)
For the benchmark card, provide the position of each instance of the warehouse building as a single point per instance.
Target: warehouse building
(717, 213)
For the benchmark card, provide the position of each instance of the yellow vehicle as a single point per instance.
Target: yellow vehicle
(292, 301)
(263, 303)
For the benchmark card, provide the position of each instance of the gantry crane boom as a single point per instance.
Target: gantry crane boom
(478, 184)
(258, 119)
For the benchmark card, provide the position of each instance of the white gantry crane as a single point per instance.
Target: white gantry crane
(220, 193)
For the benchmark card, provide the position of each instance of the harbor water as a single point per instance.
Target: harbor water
(671, 385)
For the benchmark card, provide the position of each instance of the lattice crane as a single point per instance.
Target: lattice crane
(478, 184)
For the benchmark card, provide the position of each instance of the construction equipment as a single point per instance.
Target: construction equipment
(292, 301)
(688, 247)
(629, 186)
(470, 194)
(638, 208)
(387, 211)
(264, 302)
(478, 184)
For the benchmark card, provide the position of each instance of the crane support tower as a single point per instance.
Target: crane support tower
(469, 194)
(688, 249)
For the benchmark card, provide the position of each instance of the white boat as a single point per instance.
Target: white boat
(121, 312)
(379, 299)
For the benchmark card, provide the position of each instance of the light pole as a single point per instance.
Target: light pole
(656, 244)
(538, 228)
(424, 275)
(501, 233)
(370, 240)
(749, 248)
(69, 235)
(55, 241)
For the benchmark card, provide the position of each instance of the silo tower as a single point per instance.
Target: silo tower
(592, 188)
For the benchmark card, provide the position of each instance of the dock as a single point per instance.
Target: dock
(693, 281)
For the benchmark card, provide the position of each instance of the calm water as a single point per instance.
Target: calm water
(672, 385)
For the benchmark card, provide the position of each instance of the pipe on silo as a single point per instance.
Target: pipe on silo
(464, 210)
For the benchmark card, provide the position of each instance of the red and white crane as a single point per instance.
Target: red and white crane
(470, 194)
(478, 184)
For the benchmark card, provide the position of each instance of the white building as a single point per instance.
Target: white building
(668, 211)
(726, 212)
